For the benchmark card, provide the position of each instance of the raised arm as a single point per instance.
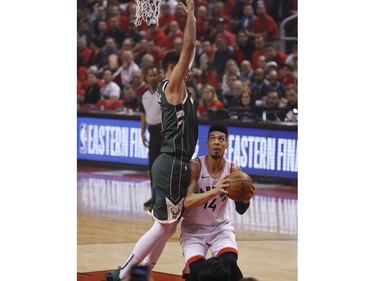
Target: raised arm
(176, 88)
(194, 199)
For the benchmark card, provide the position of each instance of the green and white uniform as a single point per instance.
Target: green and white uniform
(171, 171)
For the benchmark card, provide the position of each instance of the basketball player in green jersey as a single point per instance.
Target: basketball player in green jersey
(170, 171)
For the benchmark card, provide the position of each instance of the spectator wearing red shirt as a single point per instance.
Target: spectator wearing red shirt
(265, 25)
(208, 100)
(115, 11)
(166, 17)
(259, 50)
(201, 18)
(208, 75)
(228, 7)
(286, 76)
(218, 12)
(115, 30)
(156, 34)
(208, 51)
(174, 31)
(83, 50)
(147, 61)
(138, 82)
(221, 31)
(154, 49)
(139, 50)
(129, 14)
(96, 53)
(272, 54)
(93, 69)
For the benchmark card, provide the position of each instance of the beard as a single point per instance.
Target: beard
(215, 156)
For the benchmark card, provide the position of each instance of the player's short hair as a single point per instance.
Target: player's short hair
(218, 127)
(171, 57)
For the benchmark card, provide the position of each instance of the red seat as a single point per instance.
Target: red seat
(117, 104)
(84, 107)
(106, 104)
(82, 74)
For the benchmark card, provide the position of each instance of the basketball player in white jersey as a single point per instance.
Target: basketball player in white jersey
(206, 224)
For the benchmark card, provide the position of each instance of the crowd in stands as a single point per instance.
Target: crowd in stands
(238, 68)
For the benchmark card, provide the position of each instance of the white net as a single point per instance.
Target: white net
(148, 11)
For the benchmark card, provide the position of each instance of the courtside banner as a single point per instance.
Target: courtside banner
(259, 152)
(111, 140)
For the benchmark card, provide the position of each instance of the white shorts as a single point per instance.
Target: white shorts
(196, 243)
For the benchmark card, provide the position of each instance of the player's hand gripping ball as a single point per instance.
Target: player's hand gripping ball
(241, 186)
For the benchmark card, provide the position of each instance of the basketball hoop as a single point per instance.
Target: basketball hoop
(148, 11)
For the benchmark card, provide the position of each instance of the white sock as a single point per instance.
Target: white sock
(156, 236)
(155, 254)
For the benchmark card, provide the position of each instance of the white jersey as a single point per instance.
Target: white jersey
(207, 227)
(214, 212)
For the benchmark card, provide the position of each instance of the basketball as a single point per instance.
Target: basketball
(240, 185)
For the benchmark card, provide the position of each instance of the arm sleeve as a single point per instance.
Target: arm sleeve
(241, 207)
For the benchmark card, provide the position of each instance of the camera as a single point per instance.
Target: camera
(139, 273)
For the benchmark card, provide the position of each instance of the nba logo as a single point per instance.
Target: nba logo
(83, 139)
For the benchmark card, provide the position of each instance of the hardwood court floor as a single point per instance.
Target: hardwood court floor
(111, 218)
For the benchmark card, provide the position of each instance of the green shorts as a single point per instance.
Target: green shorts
(170, 182)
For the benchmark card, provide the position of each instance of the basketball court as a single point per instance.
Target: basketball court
(111, 219)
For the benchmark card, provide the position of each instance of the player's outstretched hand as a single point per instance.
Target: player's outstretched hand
(188, 7)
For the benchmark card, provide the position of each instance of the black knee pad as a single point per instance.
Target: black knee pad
(194, 268)
(230, 260)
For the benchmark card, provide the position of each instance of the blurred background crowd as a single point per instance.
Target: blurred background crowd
(245, 68)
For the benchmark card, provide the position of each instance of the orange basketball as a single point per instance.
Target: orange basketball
(240, 185)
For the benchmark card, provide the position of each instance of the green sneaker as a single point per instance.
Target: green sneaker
(114, 275)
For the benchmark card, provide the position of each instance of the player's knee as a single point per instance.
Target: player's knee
(229, 257)
(194, 269)
(230, 260)
(170, 228)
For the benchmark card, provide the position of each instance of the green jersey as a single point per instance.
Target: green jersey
(179, 125)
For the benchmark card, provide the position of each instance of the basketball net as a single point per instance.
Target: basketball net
(148, 11)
